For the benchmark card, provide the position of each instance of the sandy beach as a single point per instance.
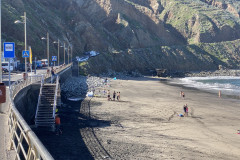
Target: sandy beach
(145, 123)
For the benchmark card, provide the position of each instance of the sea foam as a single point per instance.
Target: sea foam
(226, 84)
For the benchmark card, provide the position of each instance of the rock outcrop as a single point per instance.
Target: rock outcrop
(117, 26)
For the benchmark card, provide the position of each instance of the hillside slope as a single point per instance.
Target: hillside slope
(131, 34)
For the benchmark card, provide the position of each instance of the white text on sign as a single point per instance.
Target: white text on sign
(8, 47)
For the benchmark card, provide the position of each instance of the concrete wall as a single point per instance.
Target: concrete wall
(26, 102)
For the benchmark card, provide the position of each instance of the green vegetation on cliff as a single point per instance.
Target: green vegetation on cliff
(131, 34)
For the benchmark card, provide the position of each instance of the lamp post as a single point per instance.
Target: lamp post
(43, 38)
(71, 54)
(0, 44)
(25, 31)
(63, 51)
(58, 50)
(68, 54)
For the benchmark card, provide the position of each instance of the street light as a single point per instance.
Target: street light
(71, 53)
(43, 38)
(64, 51)
(24, 21)
(68, 53)
(0, 44)
(58, 50)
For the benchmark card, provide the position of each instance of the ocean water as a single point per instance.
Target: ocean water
(226, 84)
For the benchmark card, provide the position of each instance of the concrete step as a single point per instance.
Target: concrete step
(44, 123)
(47, 105)
(44, 113)
(44, 120)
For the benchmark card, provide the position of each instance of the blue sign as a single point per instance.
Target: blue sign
(54, 58)
(9, 49)
(25, 54)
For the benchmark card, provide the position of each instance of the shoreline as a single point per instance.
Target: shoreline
(146, 121)
(223, 95)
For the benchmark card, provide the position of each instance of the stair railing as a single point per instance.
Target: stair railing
(55, 96)
(40, 94)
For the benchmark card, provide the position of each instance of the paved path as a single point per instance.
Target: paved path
(5, 154)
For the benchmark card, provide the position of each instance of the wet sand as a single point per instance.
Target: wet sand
(145, 123)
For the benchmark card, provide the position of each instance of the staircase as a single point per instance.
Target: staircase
(49, 99)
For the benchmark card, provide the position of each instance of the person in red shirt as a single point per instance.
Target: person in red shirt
(58, 123)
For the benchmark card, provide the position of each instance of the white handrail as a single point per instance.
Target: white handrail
(39, 97)
(55, 97)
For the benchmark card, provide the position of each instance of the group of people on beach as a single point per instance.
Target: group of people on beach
(114, 96)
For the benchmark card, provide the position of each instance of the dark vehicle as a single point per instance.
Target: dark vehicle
(21, 67)
(4, 70)
(38, 65)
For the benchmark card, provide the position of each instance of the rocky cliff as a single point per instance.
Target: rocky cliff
(131, 34)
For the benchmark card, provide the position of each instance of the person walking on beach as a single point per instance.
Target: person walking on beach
(58, 123)
(183, 95)
(114, 95)
(185, 110)
(108, 95)
(118, 96)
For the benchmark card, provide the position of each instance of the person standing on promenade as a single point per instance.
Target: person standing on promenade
(52, 74)
(114, 95)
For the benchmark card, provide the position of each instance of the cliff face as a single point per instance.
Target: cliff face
(231, 6)
(115, 27)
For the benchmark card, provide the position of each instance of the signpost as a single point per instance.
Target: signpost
(25, 54)
(54, 59)
(9, 49)
(9, 52)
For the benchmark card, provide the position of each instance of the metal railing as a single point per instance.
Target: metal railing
(23, 140)
(39, 97)
(21, 83)
(57, 70)
(55, 96)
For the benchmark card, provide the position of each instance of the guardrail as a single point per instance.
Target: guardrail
(57, 70)
(23, 140)
(39, 97)
(55, 96)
